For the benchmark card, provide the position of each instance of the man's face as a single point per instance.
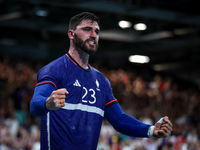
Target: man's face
(86, 36)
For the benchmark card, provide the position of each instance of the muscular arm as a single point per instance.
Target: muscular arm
(38, 102)
(125, 124)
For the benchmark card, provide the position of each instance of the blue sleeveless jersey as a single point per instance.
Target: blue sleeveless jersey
(76, 126)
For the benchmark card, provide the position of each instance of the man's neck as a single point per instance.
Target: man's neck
(80, 57)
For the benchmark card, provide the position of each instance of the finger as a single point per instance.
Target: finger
(167, 126)
(166, 120)
(59, 97)
(165, 129)
(162, 133)
(160, 121)
(57, 103)
(62, 101)
(59, 94)
(62, 91)
(63, 104)
(62, 96)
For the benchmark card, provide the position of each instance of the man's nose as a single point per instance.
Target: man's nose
(93, 34)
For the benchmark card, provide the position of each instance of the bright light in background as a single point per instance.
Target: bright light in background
(138, 59)
(125, 24)
(140, 26)
(42, 13)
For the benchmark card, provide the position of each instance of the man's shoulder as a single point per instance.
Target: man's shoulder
(57, 62)
(54, 65)
(97, 71)
(100, 75)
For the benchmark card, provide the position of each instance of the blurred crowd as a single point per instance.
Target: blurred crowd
(145, 99)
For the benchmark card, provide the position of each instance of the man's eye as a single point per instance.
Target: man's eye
(97, 32)
(87, 29)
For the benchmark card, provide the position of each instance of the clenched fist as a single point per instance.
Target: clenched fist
(56, 99)
(163, 128)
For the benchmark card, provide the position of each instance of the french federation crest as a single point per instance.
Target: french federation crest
(97, 84)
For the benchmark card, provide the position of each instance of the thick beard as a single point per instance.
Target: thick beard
(82, 45)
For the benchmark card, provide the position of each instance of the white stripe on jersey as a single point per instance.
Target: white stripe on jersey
(82, 107)
(48, 130)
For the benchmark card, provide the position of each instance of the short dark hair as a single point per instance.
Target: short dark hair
(76, 20)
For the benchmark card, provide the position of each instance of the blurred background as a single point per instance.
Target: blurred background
(148, 49)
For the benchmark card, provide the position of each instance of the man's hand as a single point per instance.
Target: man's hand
(162, 128)
(56, 99)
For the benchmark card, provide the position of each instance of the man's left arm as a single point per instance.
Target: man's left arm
(130, 126)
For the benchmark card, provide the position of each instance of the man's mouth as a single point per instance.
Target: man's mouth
(92, 42)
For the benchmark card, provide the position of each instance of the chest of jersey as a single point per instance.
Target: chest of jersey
(84, 88)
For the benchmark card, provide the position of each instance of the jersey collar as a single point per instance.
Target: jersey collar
(87, 70)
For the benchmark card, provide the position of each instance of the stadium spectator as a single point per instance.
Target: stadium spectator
(183, 122)
(182, 106)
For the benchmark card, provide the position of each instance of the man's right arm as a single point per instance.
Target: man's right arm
(38, 101)
(46, 98)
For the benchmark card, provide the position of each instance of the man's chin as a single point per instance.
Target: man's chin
(90, 51)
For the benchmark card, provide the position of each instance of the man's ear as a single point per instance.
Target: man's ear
(71, 34)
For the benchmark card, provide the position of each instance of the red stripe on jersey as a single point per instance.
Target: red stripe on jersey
(71, 59)
(47, 82)
(115, 100)
(90, 67)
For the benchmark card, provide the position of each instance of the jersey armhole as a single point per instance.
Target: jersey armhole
(45, 82)
(111, 103)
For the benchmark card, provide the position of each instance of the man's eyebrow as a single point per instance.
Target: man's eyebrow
(87, 27)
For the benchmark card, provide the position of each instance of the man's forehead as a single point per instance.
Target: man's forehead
(89, 23)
